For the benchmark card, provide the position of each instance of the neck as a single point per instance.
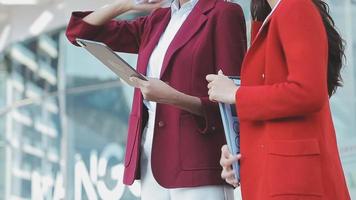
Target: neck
(272, 3)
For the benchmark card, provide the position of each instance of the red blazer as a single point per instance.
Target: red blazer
(288, 142)
(186, 148)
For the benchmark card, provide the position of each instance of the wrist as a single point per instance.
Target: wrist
(233, 96)
(173, 98)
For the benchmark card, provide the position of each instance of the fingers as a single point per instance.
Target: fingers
(226, 161)
(135, 82)
(233, 182)
(154, 1)
(149, 6)
(210, 85)
(229, 160)
(220, 72)
(138, 83)
(212, 96)
(225, 151)
(211, 77)
(228, 175)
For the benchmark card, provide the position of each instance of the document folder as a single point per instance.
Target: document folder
(232, 129)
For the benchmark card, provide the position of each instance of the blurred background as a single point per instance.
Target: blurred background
(63, 115)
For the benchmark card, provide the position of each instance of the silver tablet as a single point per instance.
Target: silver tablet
(110, 59)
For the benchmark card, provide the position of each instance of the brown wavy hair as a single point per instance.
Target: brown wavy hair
(260, 10)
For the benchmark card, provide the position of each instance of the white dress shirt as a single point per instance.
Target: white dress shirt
(150, 189)
(178, 16)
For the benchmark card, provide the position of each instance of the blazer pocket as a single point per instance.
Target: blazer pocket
(131, 138)
(293, 169)
(198, 151)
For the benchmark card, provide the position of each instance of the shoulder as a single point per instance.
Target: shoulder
(300, 18)
(226, 8)
(227, 11)
(302, 9)
(159, 12)
(156, 16)
(222, 5)
(296, 3)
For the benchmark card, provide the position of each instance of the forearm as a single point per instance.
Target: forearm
(106, 13)
(186, 102)
(160, 92)
(268, 102)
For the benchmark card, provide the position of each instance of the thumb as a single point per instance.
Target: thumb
(220, 72)
(225, 151)
(148, 6)
(136, 82)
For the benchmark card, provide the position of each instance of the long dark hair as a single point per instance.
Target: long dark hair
(260, 10)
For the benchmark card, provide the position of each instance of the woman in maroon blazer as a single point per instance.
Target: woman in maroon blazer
(178, 47)
(288, 143)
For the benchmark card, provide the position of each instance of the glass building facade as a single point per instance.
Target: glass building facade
(63, 123)
(63, 118)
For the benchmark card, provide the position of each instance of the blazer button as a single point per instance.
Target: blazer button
(263, 76)
(161, 124)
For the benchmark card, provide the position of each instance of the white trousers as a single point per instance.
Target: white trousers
(151, 190)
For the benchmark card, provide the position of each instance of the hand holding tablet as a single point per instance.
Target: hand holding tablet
(110, 59)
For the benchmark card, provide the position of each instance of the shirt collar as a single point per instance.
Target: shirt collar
(189, 5)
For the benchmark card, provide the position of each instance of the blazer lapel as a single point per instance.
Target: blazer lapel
(265, 24)
(188, 29)
(260, 34)
(153, 41)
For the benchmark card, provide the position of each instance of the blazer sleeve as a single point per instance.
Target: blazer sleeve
(123, 36)
(230, 48)
(304, 91)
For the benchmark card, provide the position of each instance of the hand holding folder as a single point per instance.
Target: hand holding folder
(232, 129)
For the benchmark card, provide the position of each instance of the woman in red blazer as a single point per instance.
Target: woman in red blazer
(185, 151)
(288, 144)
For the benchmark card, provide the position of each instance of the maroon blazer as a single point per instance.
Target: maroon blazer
(186, 147)
(288, 144)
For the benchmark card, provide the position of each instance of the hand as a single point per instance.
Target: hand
(148, 6)
(155, 90)
(221, 88)
(108, 12)
(141, 5)
(226, 161)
